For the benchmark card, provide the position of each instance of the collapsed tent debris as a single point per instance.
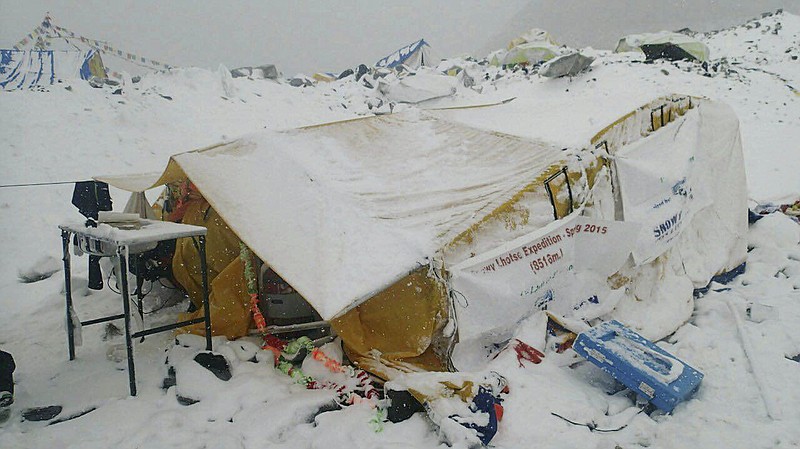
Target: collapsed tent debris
(532, 36)
(324, 77)
(531, 48)
(267, 71)
(567, 65)
(413, 56)
(664, 45)
(791, 210)
(421, 86)
(24, 69)
(43, 37)
(667, 51)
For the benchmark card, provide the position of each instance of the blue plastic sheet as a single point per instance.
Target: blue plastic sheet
(23, 69)
(401, 55)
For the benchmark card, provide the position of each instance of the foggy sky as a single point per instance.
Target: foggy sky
(309, 36)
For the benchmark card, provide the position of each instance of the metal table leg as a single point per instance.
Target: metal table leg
(123, 274)
(204, 274)
(137, 259)
(68, 294)
(122, 250)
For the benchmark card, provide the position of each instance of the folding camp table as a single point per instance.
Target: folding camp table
(123, 240)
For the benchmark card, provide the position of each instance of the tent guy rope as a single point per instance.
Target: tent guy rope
(48, 30)
(34, 184)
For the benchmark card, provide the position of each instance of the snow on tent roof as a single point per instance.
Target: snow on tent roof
(22, 69)
(341, 211)
(535, 35)
(565, 117)
(405, 55)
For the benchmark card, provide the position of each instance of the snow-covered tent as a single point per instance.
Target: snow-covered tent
(534, 35)
(426, 84)
(532, 47)
(379, 222)
(413, 55)
(22, 69)
(693, 47)
(676, 171)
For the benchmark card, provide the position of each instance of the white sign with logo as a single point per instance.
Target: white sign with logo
(660, 185)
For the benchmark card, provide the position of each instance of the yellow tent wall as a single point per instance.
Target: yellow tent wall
(643, 121)
(399, 329)
(228, 300)
(96, 66)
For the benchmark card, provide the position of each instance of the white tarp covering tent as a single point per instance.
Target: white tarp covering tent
(690, 45)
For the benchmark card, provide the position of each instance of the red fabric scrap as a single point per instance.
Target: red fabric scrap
(527, 352)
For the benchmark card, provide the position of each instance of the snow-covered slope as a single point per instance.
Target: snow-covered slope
(73, 131)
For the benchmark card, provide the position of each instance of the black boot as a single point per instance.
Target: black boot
(7, 367)
(95, 274)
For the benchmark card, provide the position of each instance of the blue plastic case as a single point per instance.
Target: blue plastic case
(653, 373)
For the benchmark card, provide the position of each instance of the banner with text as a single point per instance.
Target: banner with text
(561, 268)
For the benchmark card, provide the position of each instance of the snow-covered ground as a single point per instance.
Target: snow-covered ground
(73, 131)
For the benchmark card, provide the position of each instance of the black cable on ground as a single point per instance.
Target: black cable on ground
(590, 425)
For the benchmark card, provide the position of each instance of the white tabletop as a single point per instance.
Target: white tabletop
(145, 231)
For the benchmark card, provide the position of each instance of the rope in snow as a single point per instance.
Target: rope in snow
(33, 36)
(104, 47)
(252, 288)
(33, 184)
(346, 395)
(109, 50)
(770, 402)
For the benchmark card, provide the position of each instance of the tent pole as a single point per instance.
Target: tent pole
(569, 190)
(770, 404)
